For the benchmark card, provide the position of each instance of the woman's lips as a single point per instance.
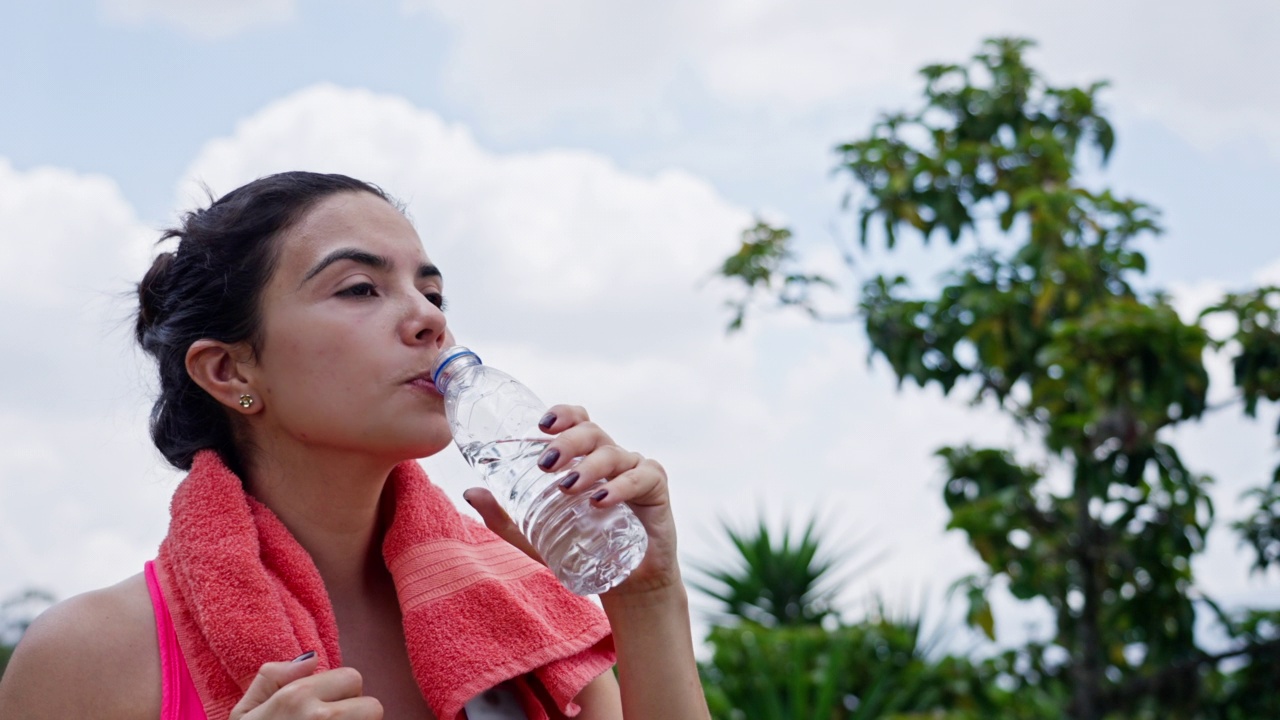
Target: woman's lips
(423, 382)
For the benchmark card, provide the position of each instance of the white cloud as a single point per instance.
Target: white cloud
(585, 281)
(1191, 67)
(208, 19)
(588, 283)
(81, 501)
(586, 249)
(1268, 274)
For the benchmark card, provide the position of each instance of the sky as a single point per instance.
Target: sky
(578, 169)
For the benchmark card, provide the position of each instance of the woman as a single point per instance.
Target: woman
(292, 327)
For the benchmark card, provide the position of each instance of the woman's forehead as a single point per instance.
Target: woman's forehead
(359, 221)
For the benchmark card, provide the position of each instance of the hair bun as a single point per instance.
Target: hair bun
(152, 292)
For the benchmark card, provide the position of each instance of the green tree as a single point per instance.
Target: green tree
(1049, 324)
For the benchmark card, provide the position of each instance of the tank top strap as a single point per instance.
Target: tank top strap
(179, 699)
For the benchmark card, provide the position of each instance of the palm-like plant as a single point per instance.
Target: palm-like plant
(780, 651)
(776, 583)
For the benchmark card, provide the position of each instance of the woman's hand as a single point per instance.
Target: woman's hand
(648, 612)
(284, 690)
(630, 478)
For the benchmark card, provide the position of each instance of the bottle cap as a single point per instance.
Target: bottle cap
(447, 356)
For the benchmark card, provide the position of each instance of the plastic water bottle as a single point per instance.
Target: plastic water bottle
(495, 424)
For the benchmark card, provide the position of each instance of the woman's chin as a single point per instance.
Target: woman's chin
(421, 448)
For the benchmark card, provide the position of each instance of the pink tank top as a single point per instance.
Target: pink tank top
(178, 697)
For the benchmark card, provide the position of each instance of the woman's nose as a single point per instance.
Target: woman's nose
(425, 323)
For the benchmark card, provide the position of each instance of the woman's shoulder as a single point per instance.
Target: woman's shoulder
(93, 655)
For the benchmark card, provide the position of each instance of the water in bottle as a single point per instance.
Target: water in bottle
(495, 424)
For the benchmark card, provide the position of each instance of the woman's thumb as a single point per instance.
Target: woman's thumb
(270, 678)
(497, 520)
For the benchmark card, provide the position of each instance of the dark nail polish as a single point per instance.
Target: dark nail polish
(548, 459)
(598, 496)
(569, 480)
(547, 421)
(305, 656)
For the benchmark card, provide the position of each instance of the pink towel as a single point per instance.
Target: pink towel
(477, 611)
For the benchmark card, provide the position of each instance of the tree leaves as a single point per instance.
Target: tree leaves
(762, 263)
(1011, 142)
(1261, 529)
(877, 668)
(1255, 347)
(1256, 340)
(1050, 323)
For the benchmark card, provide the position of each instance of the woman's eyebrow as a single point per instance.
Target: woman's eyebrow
(361, 256)
(364, 257)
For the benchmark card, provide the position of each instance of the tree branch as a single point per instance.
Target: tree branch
(1087, 667)
(1141, 686)
(1223, 405)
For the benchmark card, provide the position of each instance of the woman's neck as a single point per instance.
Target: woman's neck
(333, 505)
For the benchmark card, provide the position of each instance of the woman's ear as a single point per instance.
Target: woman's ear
(219, 368)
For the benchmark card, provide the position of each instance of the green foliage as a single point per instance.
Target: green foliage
(764, 262)
(993, 131)
(6, 652)
(1257, 337)
(1053, 331)
(878, 668)
(1250, 691)
(1256, 342)
(1050, 326)
(1261, 530)
(779, 651)
(774, 583)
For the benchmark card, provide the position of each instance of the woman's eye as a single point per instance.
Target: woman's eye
(437, 299)
(359, 290)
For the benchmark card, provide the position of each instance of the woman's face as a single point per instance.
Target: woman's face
(352, 321)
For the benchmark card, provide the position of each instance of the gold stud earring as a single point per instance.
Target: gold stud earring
(246, 401)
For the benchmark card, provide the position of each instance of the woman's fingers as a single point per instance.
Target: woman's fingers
(497, 520)
(270, 679)
(562, 417)
(357, 708)
(578, 441)
(583, 454)
(614, 464)
(640, 486)
(289, 690)
(333, 685)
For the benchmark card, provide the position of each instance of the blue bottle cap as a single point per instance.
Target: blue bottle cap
(447, 356)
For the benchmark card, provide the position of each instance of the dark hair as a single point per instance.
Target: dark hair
(211, 287)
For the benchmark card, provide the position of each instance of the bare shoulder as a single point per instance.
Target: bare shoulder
(94, 655)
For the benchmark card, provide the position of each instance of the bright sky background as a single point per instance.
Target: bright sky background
(578, 169)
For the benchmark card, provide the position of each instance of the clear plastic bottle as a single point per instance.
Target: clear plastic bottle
(495, 424)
